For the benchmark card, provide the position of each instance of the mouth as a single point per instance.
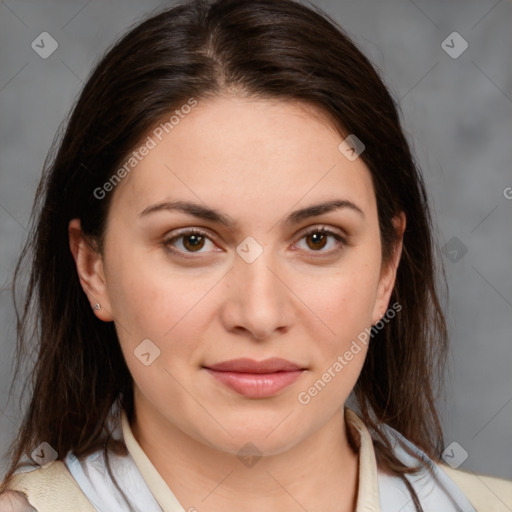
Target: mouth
(256, 379)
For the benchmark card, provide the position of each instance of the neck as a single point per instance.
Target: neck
(320, 473)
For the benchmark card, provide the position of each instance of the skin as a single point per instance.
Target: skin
(256, 161)
(15, 501)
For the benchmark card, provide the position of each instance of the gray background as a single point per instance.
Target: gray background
(456, 112)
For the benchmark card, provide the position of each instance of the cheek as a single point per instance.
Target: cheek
(147, 297)
(173, 309)
(342, 301)
(168, 312)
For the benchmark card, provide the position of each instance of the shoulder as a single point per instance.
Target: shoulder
(15, 501)
(488, 493)
(437, 483)
(44, 488)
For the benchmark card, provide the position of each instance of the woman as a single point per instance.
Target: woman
(231, 245)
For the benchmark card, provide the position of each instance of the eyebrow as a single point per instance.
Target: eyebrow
(205, 213)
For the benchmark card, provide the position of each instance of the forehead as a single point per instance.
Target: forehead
(253, 153)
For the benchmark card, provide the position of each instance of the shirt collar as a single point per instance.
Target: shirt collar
(368, 489)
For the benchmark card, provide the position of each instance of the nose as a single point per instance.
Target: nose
(258, 301)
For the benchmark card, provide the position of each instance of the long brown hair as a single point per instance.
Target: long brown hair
(278, 49)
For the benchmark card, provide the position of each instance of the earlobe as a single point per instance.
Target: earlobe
(89, 266)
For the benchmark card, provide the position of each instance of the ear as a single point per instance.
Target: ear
(388, 271)
(89, 266)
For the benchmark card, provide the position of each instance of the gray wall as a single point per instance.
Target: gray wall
(456, 111)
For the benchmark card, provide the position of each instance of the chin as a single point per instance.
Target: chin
(265, 437)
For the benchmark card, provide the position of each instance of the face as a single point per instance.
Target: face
(250, 272)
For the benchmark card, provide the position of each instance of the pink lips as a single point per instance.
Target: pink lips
(256, 379)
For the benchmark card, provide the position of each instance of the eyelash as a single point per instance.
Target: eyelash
(318, 230)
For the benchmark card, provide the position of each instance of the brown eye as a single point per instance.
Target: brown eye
(193, 242)
(188, 242)
(318, 238)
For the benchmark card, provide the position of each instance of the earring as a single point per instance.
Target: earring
(97, 306)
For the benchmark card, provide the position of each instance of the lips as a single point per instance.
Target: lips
(256, 379)
(245, 365)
